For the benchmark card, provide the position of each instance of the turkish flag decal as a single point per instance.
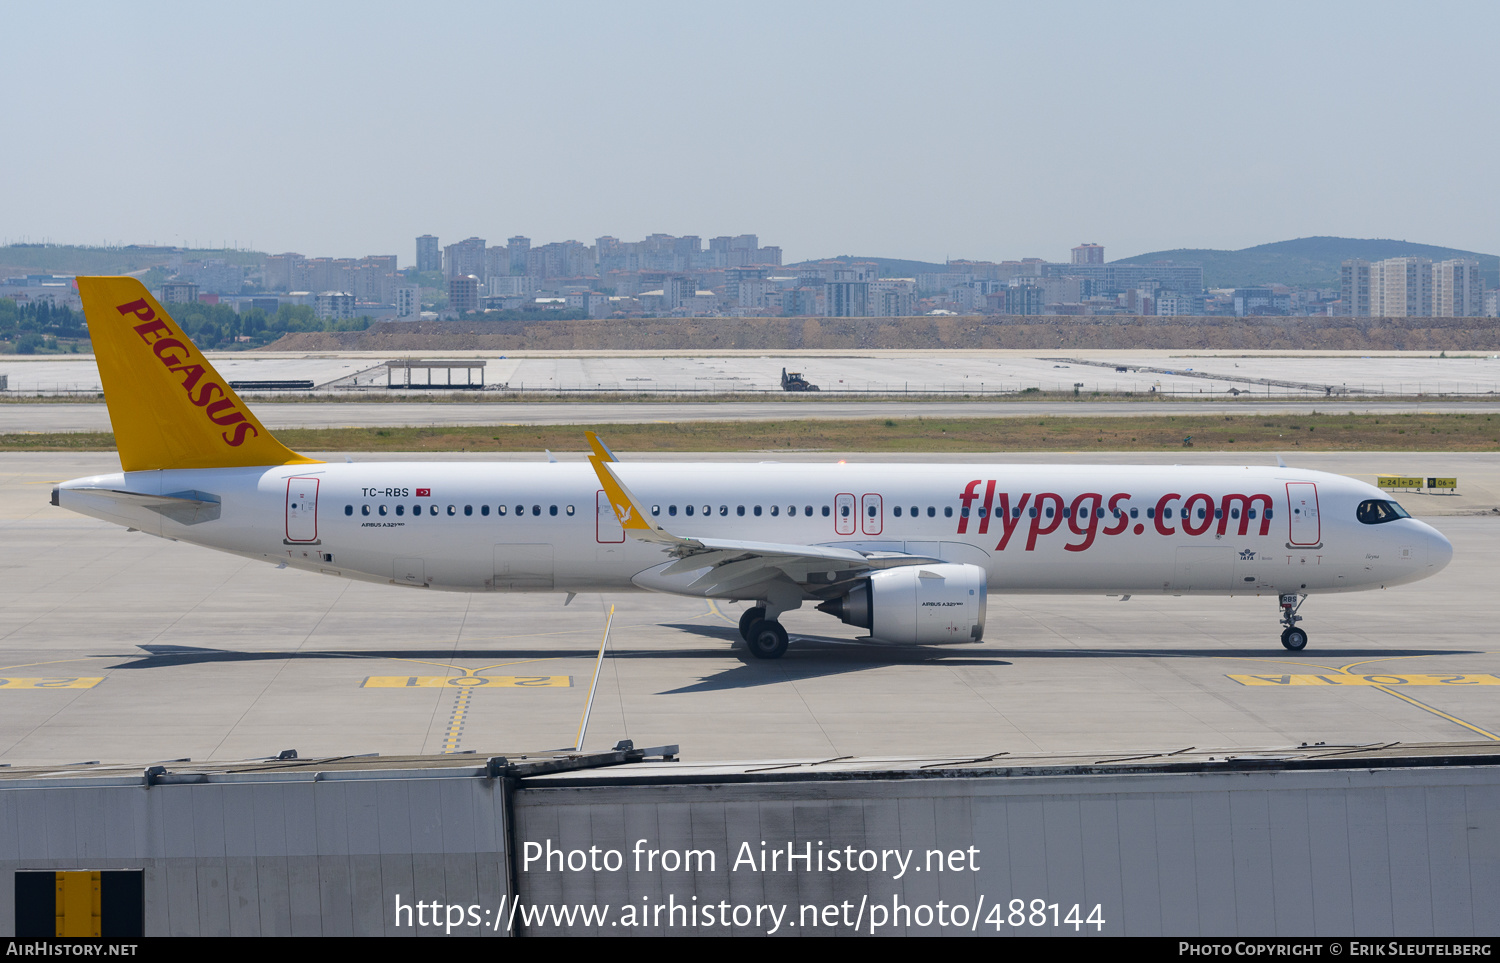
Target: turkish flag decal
(424, 492)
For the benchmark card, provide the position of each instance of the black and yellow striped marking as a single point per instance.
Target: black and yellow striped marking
(78, 904)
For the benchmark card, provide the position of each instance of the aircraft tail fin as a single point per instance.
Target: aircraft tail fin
(168, 406)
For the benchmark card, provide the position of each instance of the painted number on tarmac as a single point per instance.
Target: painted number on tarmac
(12, 683)
(467, 682)
(1389, 680)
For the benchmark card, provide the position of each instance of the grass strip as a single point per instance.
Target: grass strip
(1320, 432)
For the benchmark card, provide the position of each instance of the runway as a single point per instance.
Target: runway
(119, 647)
(94, 417)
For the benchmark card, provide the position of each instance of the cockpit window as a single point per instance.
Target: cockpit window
(1376, 511)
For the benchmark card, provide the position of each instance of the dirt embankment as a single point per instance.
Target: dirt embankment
(1026, 333)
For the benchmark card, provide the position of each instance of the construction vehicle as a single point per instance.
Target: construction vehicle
(795, 382)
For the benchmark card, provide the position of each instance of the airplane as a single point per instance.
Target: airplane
(909, 553)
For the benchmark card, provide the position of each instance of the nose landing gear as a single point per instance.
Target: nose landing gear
(1292, 637)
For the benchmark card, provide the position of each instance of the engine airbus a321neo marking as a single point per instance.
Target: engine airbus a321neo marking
(909, 553)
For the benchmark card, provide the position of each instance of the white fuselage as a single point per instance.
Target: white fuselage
(1032, 528)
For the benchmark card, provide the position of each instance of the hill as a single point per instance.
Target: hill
(890, 267)
(1311, 262)
(18, 259)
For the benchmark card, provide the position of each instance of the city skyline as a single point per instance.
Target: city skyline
(989, 132)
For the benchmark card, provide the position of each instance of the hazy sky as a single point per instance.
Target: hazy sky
(921, 130)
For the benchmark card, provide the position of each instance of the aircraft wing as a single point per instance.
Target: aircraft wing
(723, 567)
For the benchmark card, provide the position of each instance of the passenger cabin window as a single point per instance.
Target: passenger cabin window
(896, 511)
(948, 512)
(348, 509)
(825, 511)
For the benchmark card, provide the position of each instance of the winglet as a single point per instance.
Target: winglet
(168, 406)
(628, 509)
(601, 450)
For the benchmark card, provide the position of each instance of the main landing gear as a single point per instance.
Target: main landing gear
(765, 638)
(1292, 637)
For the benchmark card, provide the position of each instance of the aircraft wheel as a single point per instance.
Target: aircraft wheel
(767, 640)
(1294, 639)
(752, 615)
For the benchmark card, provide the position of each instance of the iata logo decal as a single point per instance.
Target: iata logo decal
(178, 357)
(1247, 555)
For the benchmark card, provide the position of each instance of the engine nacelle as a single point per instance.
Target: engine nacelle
(917, 604)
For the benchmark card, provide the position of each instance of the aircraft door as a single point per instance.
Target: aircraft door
(301, 510)
(607, 528)
(1302, 500)
(871, 515)
(843, 514)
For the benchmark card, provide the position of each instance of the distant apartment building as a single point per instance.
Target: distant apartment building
(280, 270)
(1401, 287)
(463, 294)
(518, 248)
(334, 305)
(408, 302)
(1354, 289)
(510, 287)
(1457, 289)
(216, 276)
(429, 256)
(1088, 254)
(893, 298)
(1024, 299)
(178, 292)
(1275, 300)
(464, 258)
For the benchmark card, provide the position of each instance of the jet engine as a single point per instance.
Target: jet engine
(917, 604)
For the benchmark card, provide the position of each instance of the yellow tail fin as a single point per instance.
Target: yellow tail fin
(169, 407)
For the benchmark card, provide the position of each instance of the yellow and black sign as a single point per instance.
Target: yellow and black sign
(100, 903)
(1397, 481)
(1335, 678)
(74, 683)
(467, 682)
(1449, 483)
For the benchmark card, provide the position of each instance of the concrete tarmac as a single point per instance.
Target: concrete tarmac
(94, 417)
(120, 647)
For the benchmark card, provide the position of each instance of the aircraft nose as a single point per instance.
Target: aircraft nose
(1439, 550)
